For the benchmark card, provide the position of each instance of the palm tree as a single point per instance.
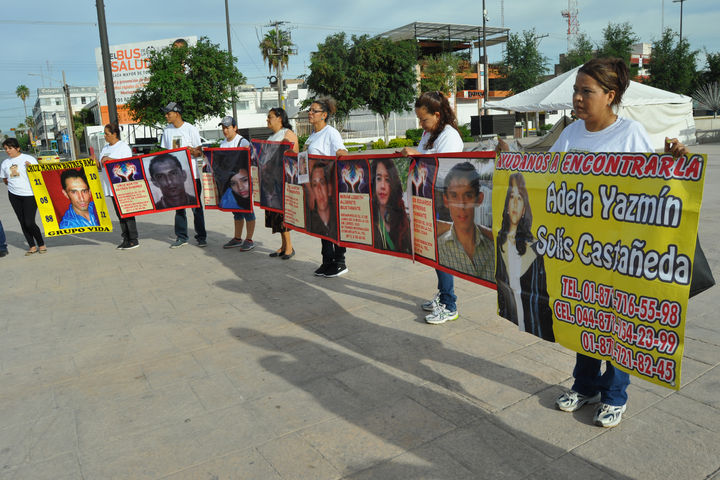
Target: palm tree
(23, 92)
(273, 42)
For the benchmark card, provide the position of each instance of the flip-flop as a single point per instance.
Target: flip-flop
(30, 252)
(42, 250)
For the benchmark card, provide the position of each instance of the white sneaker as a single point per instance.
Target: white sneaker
(432, 304)
(441, 315)
(572, 400)
(608, 415)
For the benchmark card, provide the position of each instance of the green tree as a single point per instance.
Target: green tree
(332, 73)
(712, 67)
(385, 75)
(672, 64)
(273, 42)
(439, 74)
(199, 77)
(22, 136)
(618, 39)
(82, 119)
(524, 65)
(23, 92)
(583, 50)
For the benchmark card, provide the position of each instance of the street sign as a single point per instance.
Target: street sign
(66, 138)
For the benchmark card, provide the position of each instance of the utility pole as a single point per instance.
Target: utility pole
(227, 25)
(280, 51)
(70, 124)
(681, 15)
(486, 82)
(107, 71)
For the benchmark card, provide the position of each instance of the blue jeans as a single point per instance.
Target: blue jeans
(3, 241)
(446, 286)
(612, 384)
(181, 227)
(247, 216)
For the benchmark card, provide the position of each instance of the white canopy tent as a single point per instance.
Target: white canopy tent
(662, 113)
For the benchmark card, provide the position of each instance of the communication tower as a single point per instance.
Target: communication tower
(572, 20)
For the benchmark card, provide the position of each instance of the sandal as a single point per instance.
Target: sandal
(31, 252)
(42, 250)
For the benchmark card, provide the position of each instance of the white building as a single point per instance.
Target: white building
(49, 112)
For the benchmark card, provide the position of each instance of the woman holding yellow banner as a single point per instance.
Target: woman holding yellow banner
(599, 87)
(13, 171)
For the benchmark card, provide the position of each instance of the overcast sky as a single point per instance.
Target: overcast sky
(64, 35)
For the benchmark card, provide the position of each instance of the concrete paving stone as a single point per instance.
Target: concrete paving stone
(693, 411)
(148, 455)
(422, 463)
(215, 392)
(172, 369)
(705, 388)
(356, 442)
(293, 458)
(493, 452)
(38, 373)
(452, 406)
(377, 384)
(38, 439)
(101, 388)
(562, 359)
(570, 466)
(17, 356)
(290, 411)
(479, 344)
(701, 351)
(21, 406)
(230, 352)
(650, 444)
(708, 334)
(100, 353)
(136, 414)
(243, 464)
(61, 467)
(691, 370)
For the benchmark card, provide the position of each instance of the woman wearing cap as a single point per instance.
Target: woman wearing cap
(234, 140)
(325, 140)
(278, 122)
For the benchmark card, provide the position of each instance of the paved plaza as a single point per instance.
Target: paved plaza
(194, 363)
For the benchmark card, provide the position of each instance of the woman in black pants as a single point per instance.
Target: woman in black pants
(13, 171)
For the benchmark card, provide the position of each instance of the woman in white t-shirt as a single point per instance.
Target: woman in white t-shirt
(13, 171)
(440, 135)
(599, 87)
(325, 140)
(116, 149)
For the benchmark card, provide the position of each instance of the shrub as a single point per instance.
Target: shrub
(400, 143)
(465, 133)
(380, 143)
(301, 140)
(414, 134)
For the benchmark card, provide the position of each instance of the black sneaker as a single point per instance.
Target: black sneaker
(320, 272)
(123, 245)
(335, 270)
(130, 244)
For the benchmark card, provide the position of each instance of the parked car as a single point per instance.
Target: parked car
(144, 145)
(48, 156)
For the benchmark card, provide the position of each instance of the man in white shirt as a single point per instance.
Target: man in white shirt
(179, 134)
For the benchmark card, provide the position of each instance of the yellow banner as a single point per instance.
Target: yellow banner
(610, 237)
(70, 197)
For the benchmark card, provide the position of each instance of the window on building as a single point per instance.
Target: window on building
(243, 104)
(268, 104)
(83, 100)
(57, 101)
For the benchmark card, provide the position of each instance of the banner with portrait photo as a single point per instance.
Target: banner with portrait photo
(595, 251)
(70, 197)
(231, 185)
(311, 207)
(451, 196)
(270, 165)
(155, 182)
(374, 209)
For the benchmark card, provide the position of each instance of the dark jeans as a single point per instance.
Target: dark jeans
(332, 254)
(25, 210)
(446, 287)
(612, 384)
(127, 225)
(3, 241)
(181, 227)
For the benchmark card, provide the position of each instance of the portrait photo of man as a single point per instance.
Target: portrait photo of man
(167, 174)
(81, 212)
(321, 218)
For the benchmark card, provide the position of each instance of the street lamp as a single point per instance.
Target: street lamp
(681, 15)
